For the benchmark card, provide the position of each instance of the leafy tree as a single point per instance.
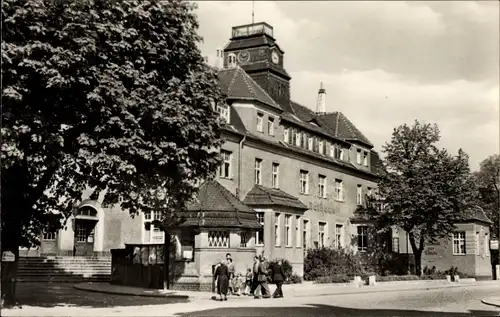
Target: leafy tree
(111, 95)
(488, 180)
(425, 190)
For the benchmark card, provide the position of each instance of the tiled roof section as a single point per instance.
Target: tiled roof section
(235, 83)
(264, 196)
(302, 112)
(341, 127)
(217, 207)
(264, 65)
(476, 214)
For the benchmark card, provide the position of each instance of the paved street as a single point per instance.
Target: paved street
(63, 294)
(462, 301)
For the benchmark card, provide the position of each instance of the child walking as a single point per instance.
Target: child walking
(248, 282)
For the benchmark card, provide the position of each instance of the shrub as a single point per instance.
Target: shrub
(391, 278)
(321, 262)
(338, 278)
(294, 279)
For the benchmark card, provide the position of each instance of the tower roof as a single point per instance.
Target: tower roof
(217, 207)
(237, 84)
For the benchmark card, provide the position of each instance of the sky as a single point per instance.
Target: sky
(384, 64)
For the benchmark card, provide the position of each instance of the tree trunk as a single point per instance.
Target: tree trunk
(417, 252)
(418, 262)
(166, 262)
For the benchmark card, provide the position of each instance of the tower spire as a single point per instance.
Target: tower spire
(321, 105)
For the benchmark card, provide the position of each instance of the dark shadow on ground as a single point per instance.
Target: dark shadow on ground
(326, 310)
(63, 294)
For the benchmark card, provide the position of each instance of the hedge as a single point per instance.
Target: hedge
(338, 278)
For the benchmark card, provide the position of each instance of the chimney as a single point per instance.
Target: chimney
(321, 106)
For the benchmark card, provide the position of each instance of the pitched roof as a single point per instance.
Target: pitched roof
(341, 127)
(217, 207)
(264, 196)
(476, 214)
(237, 84)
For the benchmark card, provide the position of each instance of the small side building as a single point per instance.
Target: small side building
(216, 224)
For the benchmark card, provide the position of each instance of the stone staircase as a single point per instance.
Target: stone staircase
(64, 269)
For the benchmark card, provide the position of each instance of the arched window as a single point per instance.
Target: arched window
(231, 60)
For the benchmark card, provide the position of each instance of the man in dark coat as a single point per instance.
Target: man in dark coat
(278, 278)
(255, 272)
(262, 280)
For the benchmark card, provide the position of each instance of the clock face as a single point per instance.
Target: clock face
(275, 57)
(244, 56)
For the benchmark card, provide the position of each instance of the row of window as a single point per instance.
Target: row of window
(316, 144)
(302, 235)
(300, 139)
(304, 182)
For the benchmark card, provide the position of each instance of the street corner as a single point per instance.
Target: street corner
(492, 301)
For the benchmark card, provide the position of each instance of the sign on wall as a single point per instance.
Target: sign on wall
(494, 244)
(8, 256)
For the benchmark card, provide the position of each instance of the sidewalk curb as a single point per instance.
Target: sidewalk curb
(488, 302)
(92, 290)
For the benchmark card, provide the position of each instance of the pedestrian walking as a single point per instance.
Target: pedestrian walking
(278, 278)
(248, 282)
(262, 278)
(222, 280)
(231, 269)
(255, 275)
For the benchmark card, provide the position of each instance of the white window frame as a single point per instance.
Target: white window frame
(154, 234)
(306, 229)
(304, 182)
(322, 185)
(310, 143)
(227, 158)
(298, 232)
(224, 233)
(332, 150)
(286, 135)
(364, 233)
(365, 158)
(322, 235)
(261, 218)
(270, 126)
(339, 190)
(275, 177)
(339, 235)
(288, 230)
(369, 191)
(298, 138)
(258, 171)
(231, 60)
(277, 230)
(359, 195)
(223, 110)
(321, 148)
(358, 156)
(459, 243)
(260, 122)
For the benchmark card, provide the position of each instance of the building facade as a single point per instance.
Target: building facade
(304, 172)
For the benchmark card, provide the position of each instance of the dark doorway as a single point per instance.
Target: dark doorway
(84, 237)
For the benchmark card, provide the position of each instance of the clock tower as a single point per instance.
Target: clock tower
(253, 48)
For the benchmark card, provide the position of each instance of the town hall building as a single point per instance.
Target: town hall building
(301, 172)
